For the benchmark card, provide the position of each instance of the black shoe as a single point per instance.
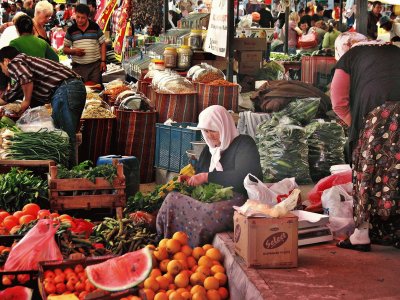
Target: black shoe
(346, 244)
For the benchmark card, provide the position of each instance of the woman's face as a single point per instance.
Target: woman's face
(213, 137)
(42, 18)
(304, 26)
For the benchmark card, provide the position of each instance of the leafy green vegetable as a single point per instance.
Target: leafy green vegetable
(85, 170)
(212, 192)
(20, 187)
(270, 71)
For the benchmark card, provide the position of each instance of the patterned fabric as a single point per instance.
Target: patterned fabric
(226, 96)
(345, 41)
(144, 87)
(114, 25)
(136, 136)
(96, 139)
(178, 107)
(376, 172)
(201, 221)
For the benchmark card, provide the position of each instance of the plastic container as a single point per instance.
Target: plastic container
(172, 142)
(184, 57)
(170, 57)
(195, 39)
(131, 171)
(158, 64)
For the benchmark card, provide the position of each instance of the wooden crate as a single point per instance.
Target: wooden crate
(100, 194)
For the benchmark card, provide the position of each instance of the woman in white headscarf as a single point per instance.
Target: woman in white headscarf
(226, 160)
(366, 96)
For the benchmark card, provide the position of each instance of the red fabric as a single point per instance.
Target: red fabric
(340, 95)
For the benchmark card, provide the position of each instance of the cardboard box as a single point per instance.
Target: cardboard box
(249, 67)
(250, 56)
(266, 242)
(249, 44)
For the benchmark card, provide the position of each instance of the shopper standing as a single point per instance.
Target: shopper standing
(43, 14)
(85, 42)
(365, 95)
(373, 18)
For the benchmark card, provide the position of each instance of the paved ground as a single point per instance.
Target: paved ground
(324, 272)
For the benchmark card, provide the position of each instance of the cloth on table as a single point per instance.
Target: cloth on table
(201, 221)
(249, 120)
(273, 96)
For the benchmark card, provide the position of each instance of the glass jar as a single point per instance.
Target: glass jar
(184, 57)
(158, 64)
(195, 39)
(170, 57)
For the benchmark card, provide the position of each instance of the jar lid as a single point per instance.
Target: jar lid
(157, 61)
(170, 49)
(185, 47)
(196, 30)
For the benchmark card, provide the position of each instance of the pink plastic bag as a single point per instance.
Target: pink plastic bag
(325, 183)
(37, 245)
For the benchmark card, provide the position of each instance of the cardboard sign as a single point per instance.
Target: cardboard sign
(216, 39)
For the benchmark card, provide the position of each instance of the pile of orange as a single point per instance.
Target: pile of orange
(182, 273)
(71, 280)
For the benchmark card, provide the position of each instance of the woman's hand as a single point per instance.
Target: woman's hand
(198, 179)
(183, 178)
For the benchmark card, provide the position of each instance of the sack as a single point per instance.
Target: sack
(308, 41)
(34, 119)
(37, 245)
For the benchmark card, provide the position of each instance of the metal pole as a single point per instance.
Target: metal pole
(287, 10)
(165, 17)
(341, 17)
(229, 40)
(237, 11)
(362, 16)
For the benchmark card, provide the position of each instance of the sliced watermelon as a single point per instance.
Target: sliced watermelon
(16, 293)
(121, 272)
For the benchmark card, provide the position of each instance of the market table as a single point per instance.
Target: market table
(324, 272)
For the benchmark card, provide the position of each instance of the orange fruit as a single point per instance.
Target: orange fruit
(205, 261)
(68, 271)
(163, 265)
(26, 219)
(151, 247)
(163, 282)
(187, 250)
(211, 283)
(10, 221)
(65, 217)
(23, 278)
(59, 278)
(161, 296)
(6, 280)
(163, 243)
(180, 256)
(181, 290)
(161, 253)
(174, 267)
(15, 229)
(147, 294)
(70, 286)
(43, 213)
(181, 280)
(50, 288)
(222, 278)
(60, 288)
(89, 287)
(172, 287)
(198, 289)
(173, 246)
(169, 292)
(199, 296)
(197, 278)
(186, 295)
(169, 277)
(216, 262)
(223, 292)
(151, 283)
(3, 214)
(207, 246)
(175, 296)
(181, 237)
(80, 286)
(49, 274)
(217, 269)
(198, 252)
(214, 254)
(78, 268)
(155, 273)
(18, 214)
(183, 263)
(54, 215)
(213, 295)
(31, 209)
(191, 262)
(203, 269)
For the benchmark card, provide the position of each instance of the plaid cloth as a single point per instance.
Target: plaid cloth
(96, 138)
(178, 107)
(312, 65)
(135, 135)
(144, 87)
(226, 96)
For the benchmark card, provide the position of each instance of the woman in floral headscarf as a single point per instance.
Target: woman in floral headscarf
(226, 160)
(366, 95)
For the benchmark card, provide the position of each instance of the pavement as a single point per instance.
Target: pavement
(324, 272)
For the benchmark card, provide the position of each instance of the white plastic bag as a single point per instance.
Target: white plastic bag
(34, 119)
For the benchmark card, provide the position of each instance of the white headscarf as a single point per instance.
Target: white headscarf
(217, 118)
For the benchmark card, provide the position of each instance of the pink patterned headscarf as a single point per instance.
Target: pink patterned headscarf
(345, 41)
(217, 118)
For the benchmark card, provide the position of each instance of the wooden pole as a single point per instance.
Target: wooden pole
(165, 17)
(287, 10)
(341, 16)
(229, 40)
(362, 16)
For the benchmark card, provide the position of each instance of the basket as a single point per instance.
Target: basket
(311, 66)
(226, 96)
(172, 143)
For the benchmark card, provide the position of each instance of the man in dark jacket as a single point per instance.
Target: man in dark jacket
(266, 19)
(373, 17)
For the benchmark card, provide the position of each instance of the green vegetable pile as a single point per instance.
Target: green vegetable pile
(301, 110)
(41, 145)
(20, 187)
(212, 192)
(85, 170)
(277, 56)
(270, 71)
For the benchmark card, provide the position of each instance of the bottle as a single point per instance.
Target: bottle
(158, 64)
(170, 57)
(184, 57)
(195, 39)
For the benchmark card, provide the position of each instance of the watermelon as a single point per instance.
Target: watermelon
(16, 293)
(121, 272)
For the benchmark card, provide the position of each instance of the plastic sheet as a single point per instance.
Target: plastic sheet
(34, 119)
